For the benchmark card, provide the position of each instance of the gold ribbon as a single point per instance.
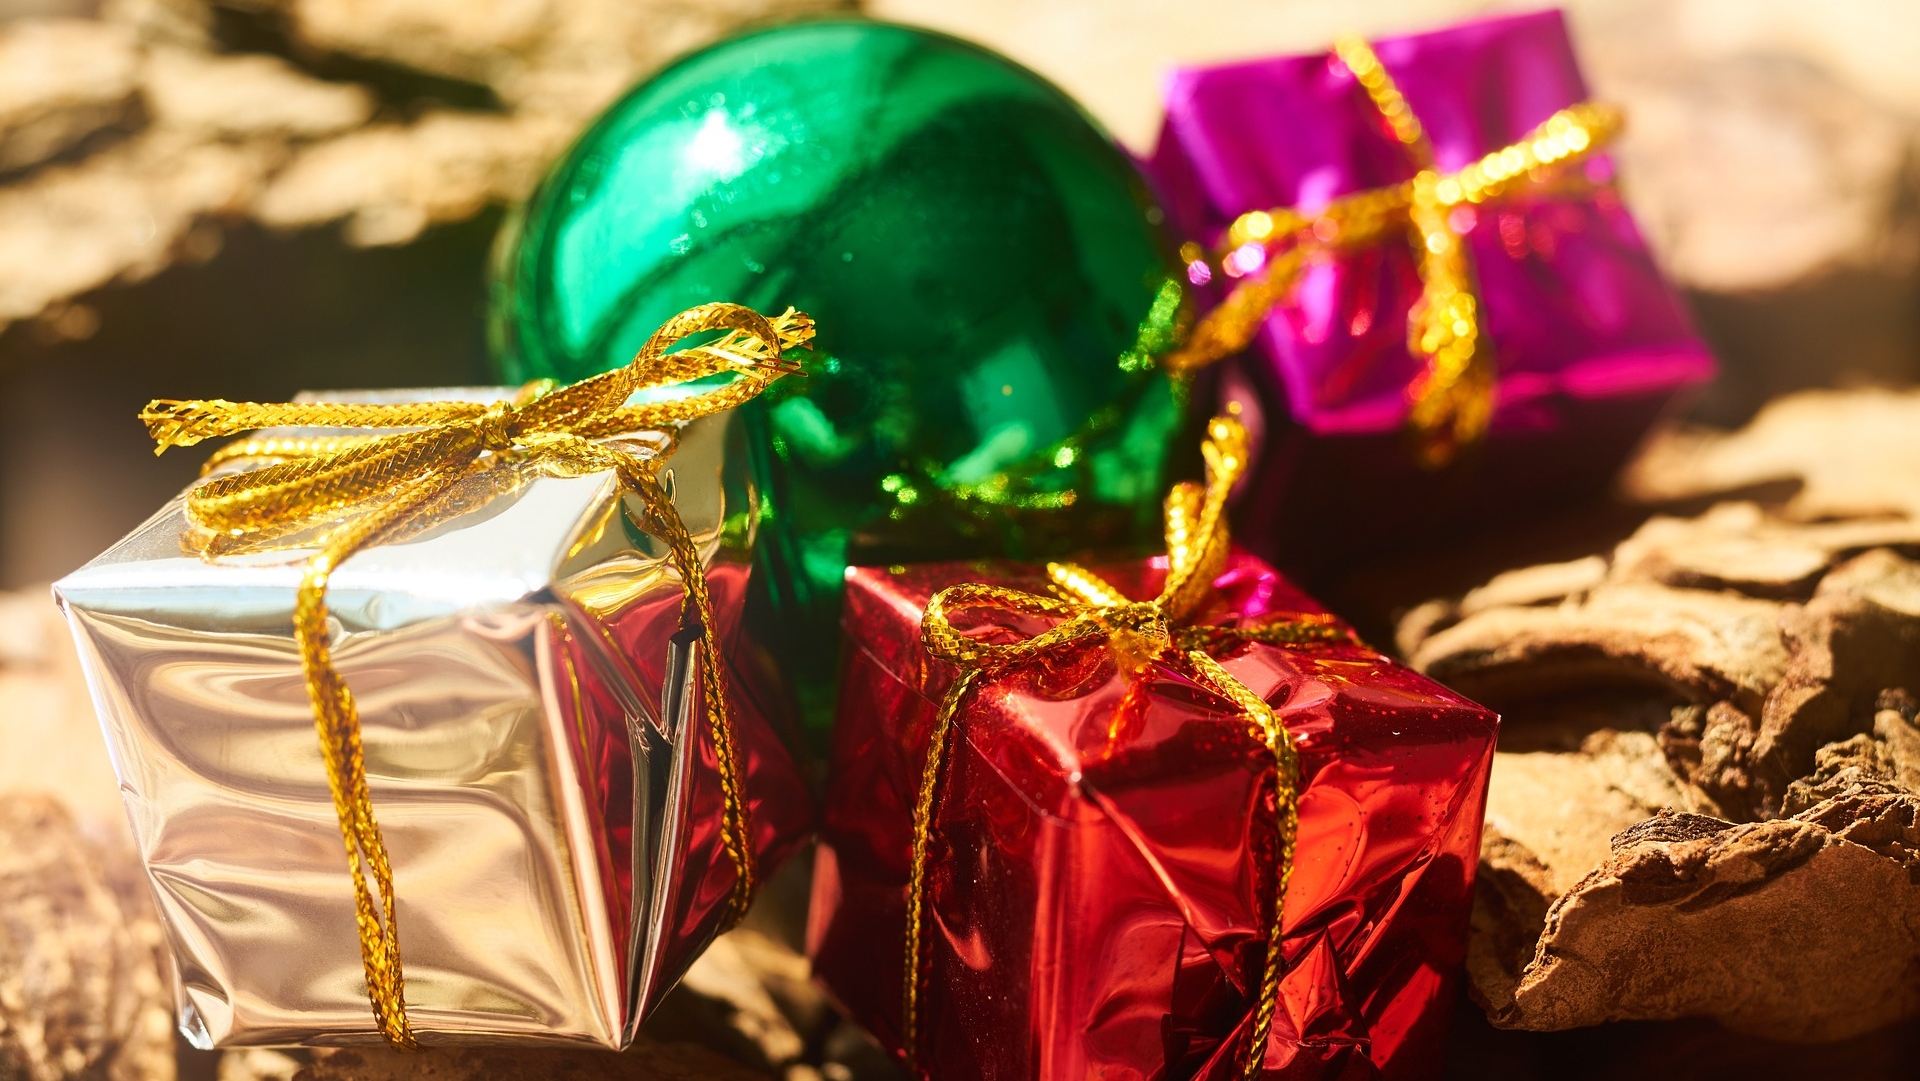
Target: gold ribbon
(1138, 632)
(1451, 403)
(358, 490)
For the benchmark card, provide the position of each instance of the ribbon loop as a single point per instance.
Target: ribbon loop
(1139, 632)
(1450, 404)
(392, 479)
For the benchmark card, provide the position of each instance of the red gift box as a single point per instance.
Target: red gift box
(1103, 843)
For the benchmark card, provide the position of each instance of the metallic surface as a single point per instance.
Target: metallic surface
(987, 268)
(1450, 404)
(523, 701)
(1572, 299)
(1590, 341)
(1094, 903)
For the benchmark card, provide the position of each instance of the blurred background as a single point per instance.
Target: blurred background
(244, 198)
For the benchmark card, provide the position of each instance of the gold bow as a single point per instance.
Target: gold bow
(1451, 403)
(390, 481)
(1139, 632)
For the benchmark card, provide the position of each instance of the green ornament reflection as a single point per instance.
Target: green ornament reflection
(985, 267)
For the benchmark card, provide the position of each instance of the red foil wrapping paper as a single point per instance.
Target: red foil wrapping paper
(1101, 843)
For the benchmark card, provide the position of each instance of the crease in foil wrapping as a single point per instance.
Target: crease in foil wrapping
(1099, 848)
(525, 689)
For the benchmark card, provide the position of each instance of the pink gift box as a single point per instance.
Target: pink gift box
(1591, 343)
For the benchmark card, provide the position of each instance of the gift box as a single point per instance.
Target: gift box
(1059, 819)
(552, 817)
(1355, 227)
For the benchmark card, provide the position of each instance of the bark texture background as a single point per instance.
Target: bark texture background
(1701, 849)
(1707, 798)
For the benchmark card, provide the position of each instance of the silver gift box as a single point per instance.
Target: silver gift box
(525, 693)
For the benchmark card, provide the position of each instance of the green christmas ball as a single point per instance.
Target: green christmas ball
(986, 269)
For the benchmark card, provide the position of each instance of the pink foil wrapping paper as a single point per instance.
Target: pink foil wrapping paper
(1590, 341)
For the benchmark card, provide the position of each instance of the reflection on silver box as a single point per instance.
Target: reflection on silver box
(531, 723)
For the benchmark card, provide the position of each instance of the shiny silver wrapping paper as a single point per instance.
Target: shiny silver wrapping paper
(528, 704)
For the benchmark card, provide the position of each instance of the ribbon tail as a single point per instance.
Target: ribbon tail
(664, 521)
(182, 424)
(1196, 533)
(337, 720)
(1450, 405)
(923, 806)
(1265, 726)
